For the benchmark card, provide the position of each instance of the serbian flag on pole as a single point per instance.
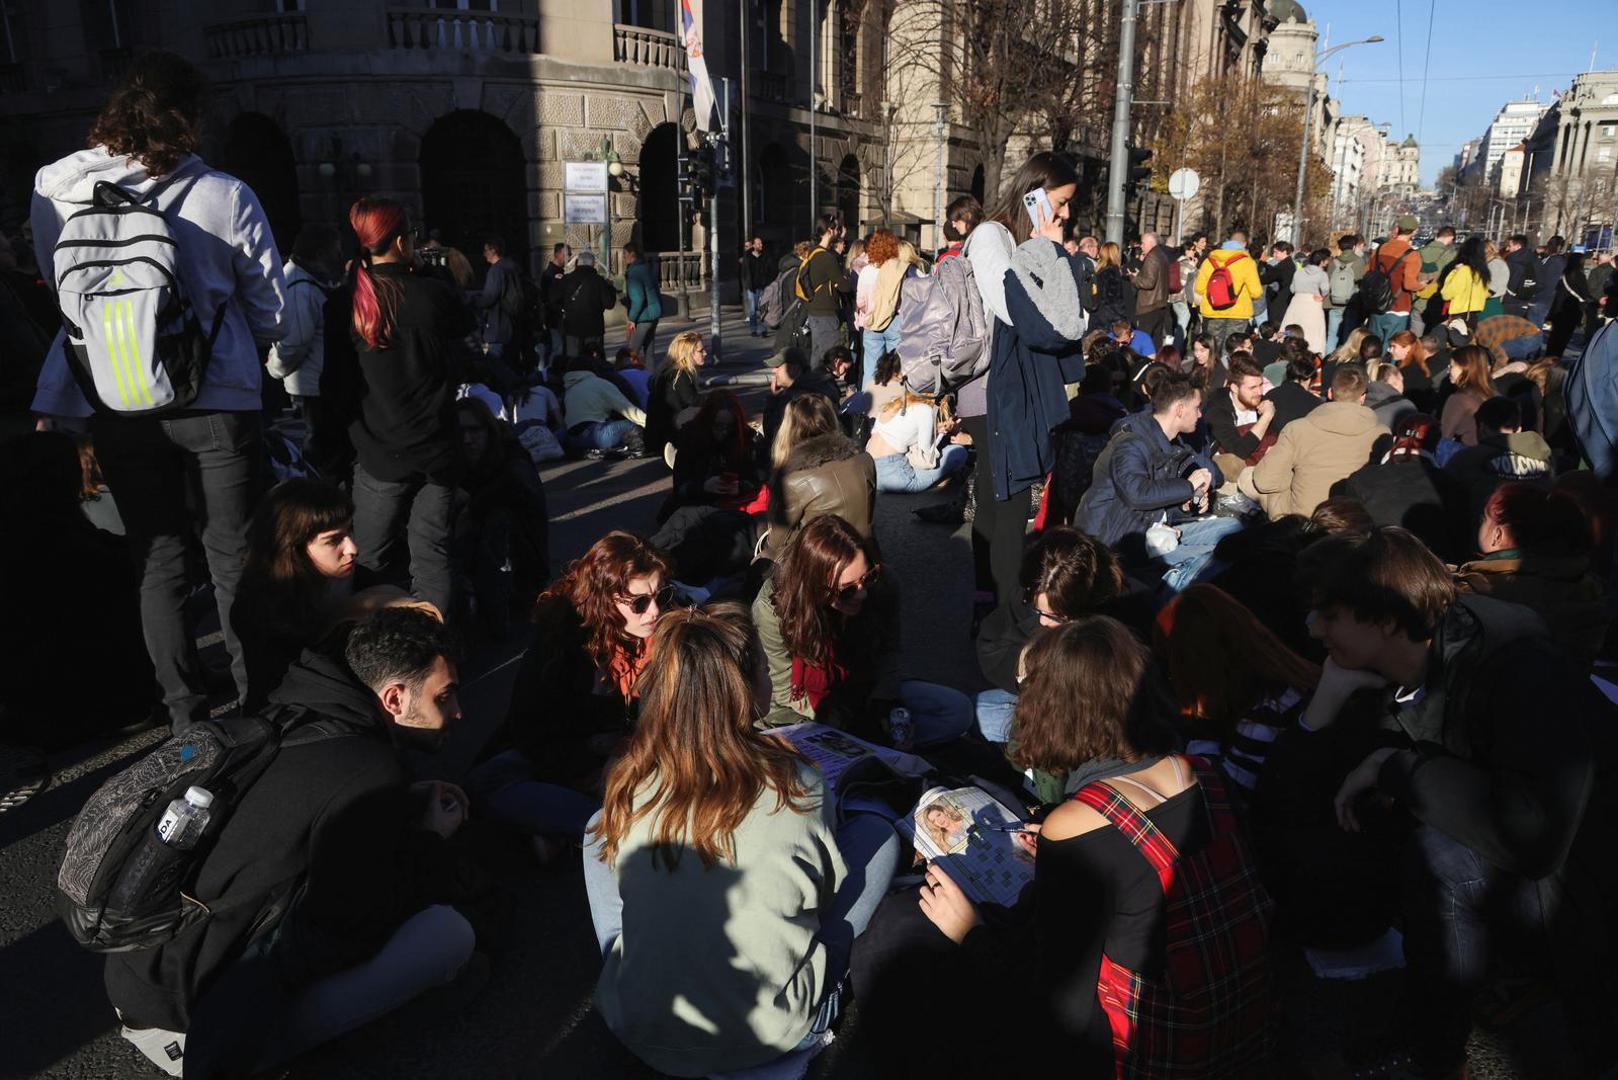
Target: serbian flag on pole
(702, 97)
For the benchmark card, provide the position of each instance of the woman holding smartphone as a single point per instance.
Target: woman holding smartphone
(1036, 321)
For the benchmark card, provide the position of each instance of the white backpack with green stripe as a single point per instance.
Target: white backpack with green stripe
(134, 342)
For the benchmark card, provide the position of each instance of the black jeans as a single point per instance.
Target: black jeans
(1156, 323)
(998, 528)
(175, 478)
(424, 512)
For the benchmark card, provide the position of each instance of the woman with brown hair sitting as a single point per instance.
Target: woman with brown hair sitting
(828, 619)
(725, 894)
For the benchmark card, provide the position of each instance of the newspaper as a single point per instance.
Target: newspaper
(961, 831)
(833, 751)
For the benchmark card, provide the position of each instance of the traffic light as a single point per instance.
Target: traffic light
(1139, 171)
(703, 173)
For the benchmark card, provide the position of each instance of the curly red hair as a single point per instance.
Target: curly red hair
(594, 582)
(882, 246)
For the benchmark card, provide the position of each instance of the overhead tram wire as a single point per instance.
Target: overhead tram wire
(1399, 16)
(1426, 60)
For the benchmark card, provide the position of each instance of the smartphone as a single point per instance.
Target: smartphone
(1037, 202)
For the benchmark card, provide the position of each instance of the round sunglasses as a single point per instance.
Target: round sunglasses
(639, 602)
(846, 593)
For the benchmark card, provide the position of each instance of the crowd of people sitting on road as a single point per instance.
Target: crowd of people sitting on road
(1295, 634)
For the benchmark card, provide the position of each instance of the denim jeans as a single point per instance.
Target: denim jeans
(870, 850)
(1524, 348)
(1460, 912)
(939, 714)
(503, 788)
(894, 472)
(152, 466)
(1191, 559)
(428, 950)
(1388, 323)
(1334, 323)
(1182, 319)
(424, 512)
(750, 299)
(994, 708)
(824, 334)
(876, 343)
(600, 434)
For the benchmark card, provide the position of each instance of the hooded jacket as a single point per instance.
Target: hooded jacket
(1139, 478)
(1561, 588)
(1522, 282)
(1388, 404)
(1244, 280)
(228, 264)
(1312, 454)
(1413, 494)
(300, 356)
(587, 398)
(827, 474)
(333, 814)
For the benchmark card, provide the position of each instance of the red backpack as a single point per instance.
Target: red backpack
(1221, 290)
(1175, 284)
(1208, 1014)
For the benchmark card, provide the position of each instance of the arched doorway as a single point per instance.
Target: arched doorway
(258, 153)
(659, 203)
(474, 184)
(848, 193)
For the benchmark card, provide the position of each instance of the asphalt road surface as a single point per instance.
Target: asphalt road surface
(532, 1015)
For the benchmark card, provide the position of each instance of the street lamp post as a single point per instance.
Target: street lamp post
(1308, 114)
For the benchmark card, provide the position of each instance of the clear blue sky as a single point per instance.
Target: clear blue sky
(1483, 54)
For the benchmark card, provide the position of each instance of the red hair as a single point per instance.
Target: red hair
(377, 223)
(718, 401)
(1542, 520)
(1221, 661)
(592, 585)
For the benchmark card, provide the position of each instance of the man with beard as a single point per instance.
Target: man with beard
(326, 889)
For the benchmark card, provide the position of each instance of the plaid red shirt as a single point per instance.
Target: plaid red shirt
(1208, 1014)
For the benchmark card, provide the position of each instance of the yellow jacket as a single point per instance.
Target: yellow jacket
(1244, 278)
(1465, 291)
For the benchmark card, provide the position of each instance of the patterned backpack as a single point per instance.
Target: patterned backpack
(1208, 1014)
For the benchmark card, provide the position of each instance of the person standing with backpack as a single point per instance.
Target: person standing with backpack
(1392, 277)
(181, 423)
(1343, 274)
(1227, 284)
(822, 285)
(299, 358)
(406, 328)
(644, 297)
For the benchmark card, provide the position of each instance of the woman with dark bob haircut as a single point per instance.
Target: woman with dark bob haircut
(297, 581)
(1144, 893)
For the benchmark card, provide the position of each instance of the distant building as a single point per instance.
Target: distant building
(1570, 175)
(1514, 122)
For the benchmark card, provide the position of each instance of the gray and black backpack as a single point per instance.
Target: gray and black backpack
(116, 890)
(134, 342)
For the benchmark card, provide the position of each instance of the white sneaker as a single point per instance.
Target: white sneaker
(165, 1049)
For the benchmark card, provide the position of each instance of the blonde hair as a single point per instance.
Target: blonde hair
(803, 418)
(683, 351)
(1349, 352)
(1108, 256)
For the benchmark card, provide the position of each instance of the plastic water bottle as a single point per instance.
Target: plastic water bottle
(900, 728)
(184, 822)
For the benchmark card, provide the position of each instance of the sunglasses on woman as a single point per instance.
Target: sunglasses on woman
(639, 602)
(846, 593)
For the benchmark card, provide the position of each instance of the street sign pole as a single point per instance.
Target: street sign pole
(1120, 121)
(1183, 186)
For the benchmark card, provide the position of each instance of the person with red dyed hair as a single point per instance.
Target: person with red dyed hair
(409, 331)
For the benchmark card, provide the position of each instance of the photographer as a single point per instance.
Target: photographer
(407, 329)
